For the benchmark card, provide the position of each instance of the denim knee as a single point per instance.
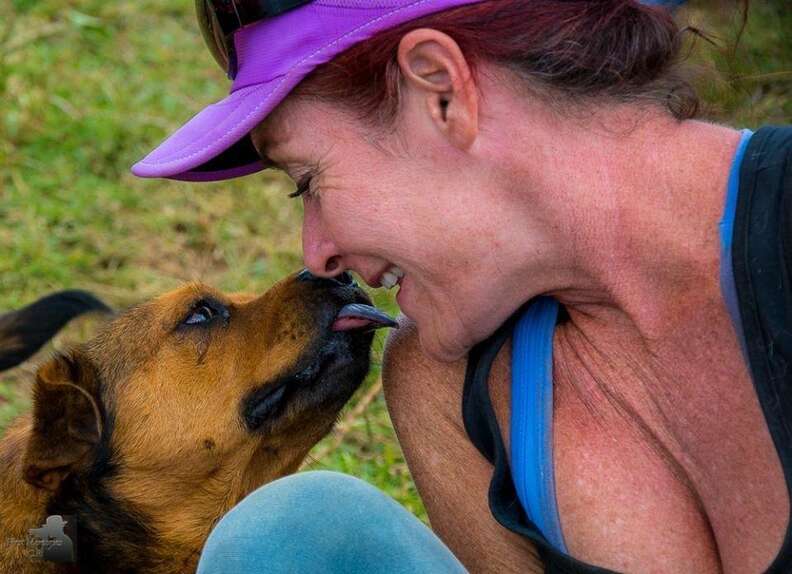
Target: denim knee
(322, 522)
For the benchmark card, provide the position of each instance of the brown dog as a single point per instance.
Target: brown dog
(148, 434)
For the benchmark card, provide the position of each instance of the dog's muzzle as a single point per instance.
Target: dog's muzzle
(332, 366)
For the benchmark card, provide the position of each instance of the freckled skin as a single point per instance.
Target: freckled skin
(487, 194)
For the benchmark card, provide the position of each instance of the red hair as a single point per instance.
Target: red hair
(577, 49)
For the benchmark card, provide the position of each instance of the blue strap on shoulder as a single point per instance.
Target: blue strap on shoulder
(667, 3)
(726, 229)
(531, 433)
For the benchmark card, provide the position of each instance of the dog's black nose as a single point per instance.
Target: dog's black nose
(344, 278)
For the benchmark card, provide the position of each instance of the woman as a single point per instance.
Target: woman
(523, 168)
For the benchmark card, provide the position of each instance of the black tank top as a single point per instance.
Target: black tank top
(762, 268)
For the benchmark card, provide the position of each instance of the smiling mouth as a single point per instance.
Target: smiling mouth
(389, 278)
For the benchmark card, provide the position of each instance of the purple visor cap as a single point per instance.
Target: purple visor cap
(274, 55)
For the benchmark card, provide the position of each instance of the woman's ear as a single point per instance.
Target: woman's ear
(67, 421)
(434, 66)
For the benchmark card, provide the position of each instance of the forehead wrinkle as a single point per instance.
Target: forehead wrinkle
(291, 119)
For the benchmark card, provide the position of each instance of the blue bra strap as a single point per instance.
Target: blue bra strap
(532, 417)
(672, 4)
(726, 230)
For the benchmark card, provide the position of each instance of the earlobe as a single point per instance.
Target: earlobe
(67, 420)
(434, 66)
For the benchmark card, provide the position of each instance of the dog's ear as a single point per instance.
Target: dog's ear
(67, 420)
(23, 332)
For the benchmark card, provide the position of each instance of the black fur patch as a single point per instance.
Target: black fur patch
(114, 537)
(23, 332)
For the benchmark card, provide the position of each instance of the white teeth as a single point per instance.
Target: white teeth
(389, 280)
(391, 277)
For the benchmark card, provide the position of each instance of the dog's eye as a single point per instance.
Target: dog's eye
(204, 312)
(200, 315)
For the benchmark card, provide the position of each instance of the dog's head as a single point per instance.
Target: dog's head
(185, 404)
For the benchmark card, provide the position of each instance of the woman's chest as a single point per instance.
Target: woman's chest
(662, 458)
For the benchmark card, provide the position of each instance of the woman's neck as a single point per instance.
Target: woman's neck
(623, 217)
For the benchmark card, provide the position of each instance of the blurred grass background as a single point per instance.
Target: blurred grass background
(88, 87)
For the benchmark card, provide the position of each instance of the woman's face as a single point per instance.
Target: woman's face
(405, 206)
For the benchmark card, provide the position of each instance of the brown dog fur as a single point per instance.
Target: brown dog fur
(152, 431)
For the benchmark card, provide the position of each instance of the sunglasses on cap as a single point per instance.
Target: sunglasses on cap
(220, 19)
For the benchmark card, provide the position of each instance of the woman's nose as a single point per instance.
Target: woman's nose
(320, 254)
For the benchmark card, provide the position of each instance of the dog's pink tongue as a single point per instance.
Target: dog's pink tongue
(357, 316)
(350, 323)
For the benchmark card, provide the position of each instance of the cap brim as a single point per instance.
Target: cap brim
(274, 55)
(214, 145)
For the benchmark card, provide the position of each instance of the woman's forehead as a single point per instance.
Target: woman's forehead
(270, 134)
(299, 126)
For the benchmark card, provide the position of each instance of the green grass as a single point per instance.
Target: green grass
(89, 86)
(747, 84)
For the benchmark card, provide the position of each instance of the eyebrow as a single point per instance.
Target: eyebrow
(266, 159)
(263, 152)
(269, 162)
(262, 146)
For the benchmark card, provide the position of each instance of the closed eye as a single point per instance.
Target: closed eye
(303, 186)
